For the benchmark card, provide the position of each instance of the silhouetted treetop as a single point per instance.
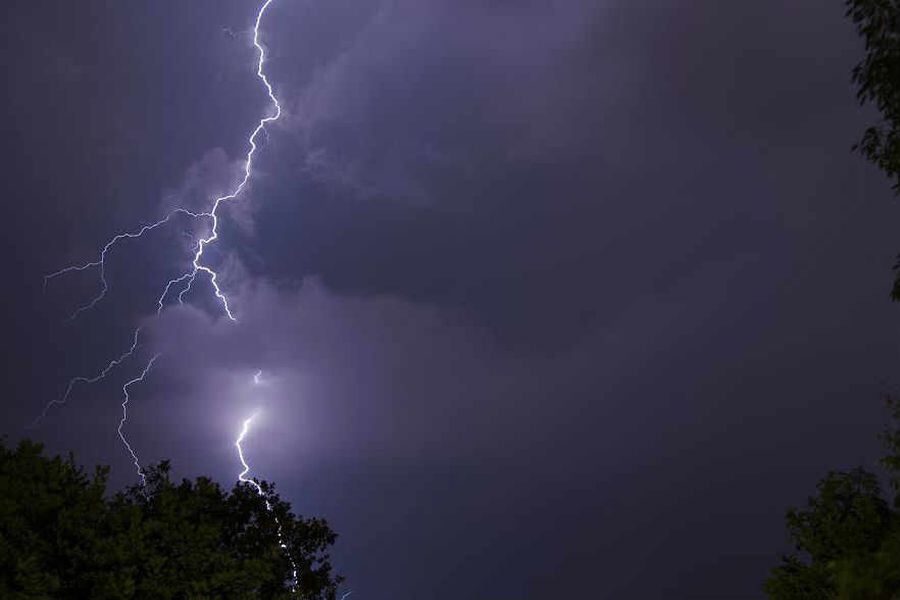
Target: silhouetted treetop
(63, 536)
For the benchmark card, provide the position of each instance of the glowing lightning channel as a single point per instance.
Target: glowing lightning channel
(139, 378)
(100, 263)
(82, 379)
(242, 477)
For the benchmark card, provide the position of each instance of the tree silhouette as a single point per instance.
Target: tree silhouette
(63, 536)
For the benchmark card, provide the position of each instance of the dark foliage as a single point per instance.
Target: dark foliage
(62, 536)
(877, 78)
(847, 539)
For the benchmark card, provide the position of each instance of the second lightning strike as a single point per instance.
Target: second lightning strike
(122, 421)
(242, 477)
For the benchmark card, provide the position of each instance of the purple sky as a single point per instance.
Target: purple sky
(551, 299)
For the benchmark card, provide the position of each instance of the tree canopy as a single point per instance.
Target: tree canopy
(848, 537)
(63, 536)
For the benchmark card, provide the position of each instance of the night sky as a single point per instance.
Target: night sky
(551, 299)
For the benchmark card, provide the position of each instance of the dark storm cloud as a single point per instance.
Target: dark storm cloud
(425, 87)
(551, 299)
(536, 160)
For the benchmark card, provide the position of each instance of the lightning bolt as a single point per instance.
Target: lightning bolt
(128, 384)
(184, 281)
(242, 477)
(197, 264)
